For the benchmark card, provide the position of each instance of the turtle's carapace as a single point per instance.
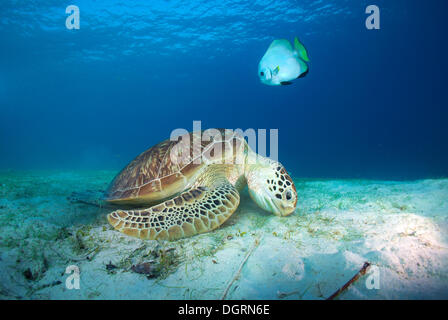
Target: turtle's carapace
(185, 196)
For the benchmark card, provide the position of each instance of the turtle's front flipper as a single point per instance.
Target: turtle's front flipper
(197, 210)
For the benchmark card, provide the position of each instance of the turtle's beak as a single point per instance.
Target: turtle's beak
(265, 201)
(286, 210)
(280, 208)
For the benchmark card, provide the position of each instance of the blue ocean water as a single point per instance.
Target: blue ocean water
(373, 105)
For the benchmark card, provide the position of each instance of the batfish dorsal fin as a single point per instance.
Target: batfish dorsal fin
(300, 48)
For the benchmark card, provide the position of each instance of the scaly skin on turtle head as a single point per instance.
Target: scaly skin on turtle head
(271, 187)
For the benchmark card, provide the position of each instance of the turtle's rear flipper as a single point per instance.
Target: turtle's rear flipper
(90, 197)
(201, 209)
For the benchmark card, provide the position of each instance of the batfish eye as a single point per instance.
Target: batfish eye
(261, 73)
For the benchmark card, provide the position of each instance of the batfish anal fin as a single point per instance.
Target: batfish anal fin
(285, 83)
(303, 74)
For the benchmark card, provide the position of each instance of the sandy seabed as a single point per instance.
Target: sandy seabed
(401, 228)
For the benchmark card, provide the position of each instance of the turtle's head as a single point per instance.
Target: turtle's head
(271, 187)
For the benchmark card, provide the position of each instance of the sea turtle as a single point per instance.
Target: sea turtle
(193, 185)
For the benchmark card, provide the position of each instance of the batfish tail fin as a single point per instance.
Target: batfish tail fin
(301, 50)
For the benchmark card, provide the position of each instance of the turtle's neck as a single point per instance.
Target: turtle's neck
(254, 162)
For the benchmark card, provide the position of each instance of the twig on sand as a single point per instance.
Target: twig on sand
(281, 294)
(47, 285)
(8, 293)
(87, 256)
(360, 273)
(237, 274)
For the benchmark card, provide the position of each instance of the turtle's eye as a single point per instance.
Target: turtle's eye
(261, 73)
(288, 195)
